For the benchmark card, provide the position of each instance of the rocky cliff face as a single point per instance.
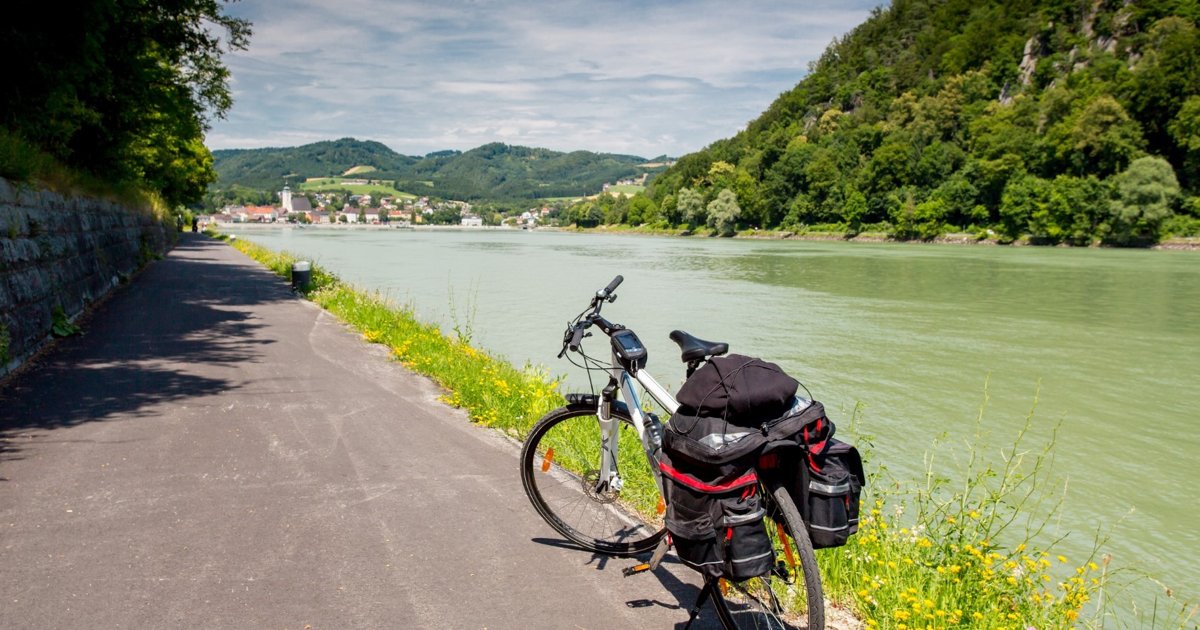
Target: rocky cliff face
(57, 255)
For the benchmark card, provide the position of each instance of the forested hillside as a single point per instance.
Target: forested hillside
(1063, 120)
(492, 172)
(500, 171)
(266, 169)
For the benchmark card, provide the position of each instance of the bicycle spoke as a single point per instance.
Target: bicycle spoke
(562, 478)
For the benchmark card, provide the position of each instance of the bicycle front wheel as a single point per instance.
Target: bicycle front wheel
(560, 469)
(789, 597)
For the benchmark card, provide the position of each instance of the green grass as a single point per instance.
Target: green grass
(335, 183)
(972, 543)
(356, 170)
(22, 162)
(575, 446)
(626, 189)
(962, 546)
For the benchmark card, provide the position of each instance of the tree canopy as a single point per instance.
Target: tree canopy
(122, 89)
(1027, 118)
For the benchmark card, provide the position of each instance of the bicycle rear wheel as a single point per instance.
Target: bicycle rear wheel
(789, 597)
(560, 464)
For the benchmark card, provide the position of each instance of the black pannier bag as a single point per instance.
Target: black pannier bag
(715, 519)
(828, 485)
(740, 389)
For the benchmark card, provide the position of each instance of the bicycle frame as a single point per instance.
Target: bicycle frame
(609, 475)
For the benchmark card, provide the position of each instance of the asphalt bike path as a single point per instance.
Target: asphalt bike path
(216, 452)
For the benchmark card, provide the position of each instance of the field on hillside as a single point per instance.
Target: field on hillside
(626, 189)
(337, 183)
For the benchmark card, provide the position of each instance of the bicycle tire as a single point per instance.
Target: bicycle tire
(557, 458)
(756, 603)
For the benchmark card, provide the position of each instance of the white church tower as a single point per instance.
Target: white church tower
(286, 198)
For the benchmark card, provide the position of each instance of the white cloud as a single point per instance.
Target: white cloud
(629, 77)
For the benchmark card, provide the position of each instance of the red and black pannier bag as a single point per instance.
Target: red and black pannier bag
(715, 518)
(733, 410)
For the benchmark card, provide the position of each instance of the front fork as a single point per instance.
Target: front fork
(610, 477)
(610, 474)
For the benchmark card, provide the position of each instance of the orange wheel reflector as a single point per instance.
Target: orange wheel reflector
(787, 545)
(547, 458)
(662, 507)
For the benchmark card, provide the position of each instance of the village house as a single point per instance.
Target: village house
(471, 220)
(258, 214)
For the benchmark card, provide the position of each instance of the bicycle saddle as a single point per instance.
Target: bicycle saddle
(696, 349)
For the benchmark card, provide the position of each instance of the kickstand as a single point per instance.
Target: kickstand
(704, 594)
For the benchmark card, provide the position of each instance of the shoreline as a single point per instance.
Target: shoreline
(959, 238)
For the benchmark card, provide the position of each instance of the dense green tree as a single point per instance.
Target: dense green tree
(1100, 138)
(1185, 131)
(856, 207)
(723, 212)
(1023, 197)
(642, 210)
(691, 206)
(912, 220)
(1144, 194)
(1163, 78)
(122, 89)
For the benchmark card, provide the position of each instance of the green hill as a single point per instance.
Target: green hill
(500, 171)
(490, 172)
(266, 169)
(1064, 120)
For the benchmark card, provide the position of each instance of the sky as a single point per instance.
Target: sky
(644, 78)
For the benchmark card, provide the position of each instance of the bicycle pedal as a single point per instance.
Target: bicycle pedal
(636, 569)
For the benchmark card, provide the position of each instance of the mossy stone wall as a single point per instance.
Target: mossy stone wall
(63, 252)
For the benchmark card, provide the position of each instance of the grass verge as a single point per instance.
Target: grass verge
(962, 547)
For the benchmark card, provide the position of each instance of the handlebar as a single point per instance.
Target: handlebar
(577, 329)
(612, 286)
(576, 337)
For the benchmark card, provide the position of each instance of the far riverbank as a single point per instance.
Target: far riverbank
(958, 238)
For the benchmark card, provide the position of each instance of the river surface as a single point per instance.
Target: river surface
(1106, 342)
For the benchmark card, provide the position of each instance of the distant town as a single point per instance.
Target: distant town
(364, 209)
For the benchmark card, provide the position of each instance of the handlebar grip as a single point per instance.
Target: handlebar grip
(612, 286)
(576, 337)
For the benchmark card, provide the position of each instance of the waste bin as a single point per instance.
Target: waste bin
(301, 275)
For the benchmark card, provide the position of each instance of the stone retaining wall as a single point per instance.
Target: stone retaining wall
(63, 252)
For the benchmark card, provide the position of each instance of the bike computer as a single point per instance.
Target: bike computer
(630, 352)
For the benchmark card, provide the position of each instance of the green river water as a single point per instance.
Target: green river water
(1107, 341)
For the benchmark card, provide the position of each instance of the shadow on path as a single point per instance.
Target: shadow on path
(684, 593)
(176, 332)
